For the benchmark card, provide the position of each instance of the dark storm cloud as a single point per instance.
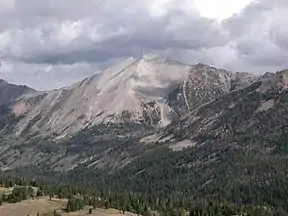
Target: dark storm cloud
(175, 30)
(43, 37)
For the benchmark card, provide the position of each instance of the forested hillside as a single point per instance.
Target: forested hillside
(124, 200)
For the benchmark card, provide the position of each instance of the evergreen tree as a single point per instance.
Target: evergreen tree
(75, 204)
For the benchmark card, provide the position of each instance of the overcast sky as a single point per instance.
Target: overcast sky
(53, 43)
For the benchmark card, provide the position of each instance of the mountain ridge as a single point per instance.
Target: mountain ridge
(211, 121)
(147, 90)
(11, 92)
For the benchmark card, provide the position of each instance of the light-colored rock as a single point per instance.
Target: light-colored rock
(149, 89)
(179, 146)
(266, 105)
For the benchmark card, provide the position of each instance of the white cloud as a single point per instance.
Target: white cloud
(6, 67)
(220, 9)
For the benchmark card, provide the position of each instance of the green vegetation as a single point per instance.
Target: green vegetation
(144, 204)
(75, 204)
(19, 193)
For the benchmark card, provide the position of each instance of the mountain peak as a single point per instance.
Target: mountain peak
(10, 92)
(150, 56)
(3, 82)
(201, 65)
(278, 80)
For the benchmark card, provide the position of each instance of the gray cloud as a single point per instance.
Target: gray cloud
(54, 43)
(86, 40)
(260, 35)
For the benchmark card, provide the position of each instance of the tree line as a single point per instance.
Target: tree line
(127, 201)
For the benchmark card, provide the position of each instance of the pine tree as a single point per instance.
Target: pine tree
(106, 204)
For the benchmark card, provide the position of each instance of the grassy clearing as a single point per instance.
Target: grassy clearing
(32, 207)
(97, 212)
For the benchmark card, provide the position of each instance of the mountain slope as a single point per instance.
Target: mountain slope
(260, 109)
(203, 85)
(10, 92)
(150, 90)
